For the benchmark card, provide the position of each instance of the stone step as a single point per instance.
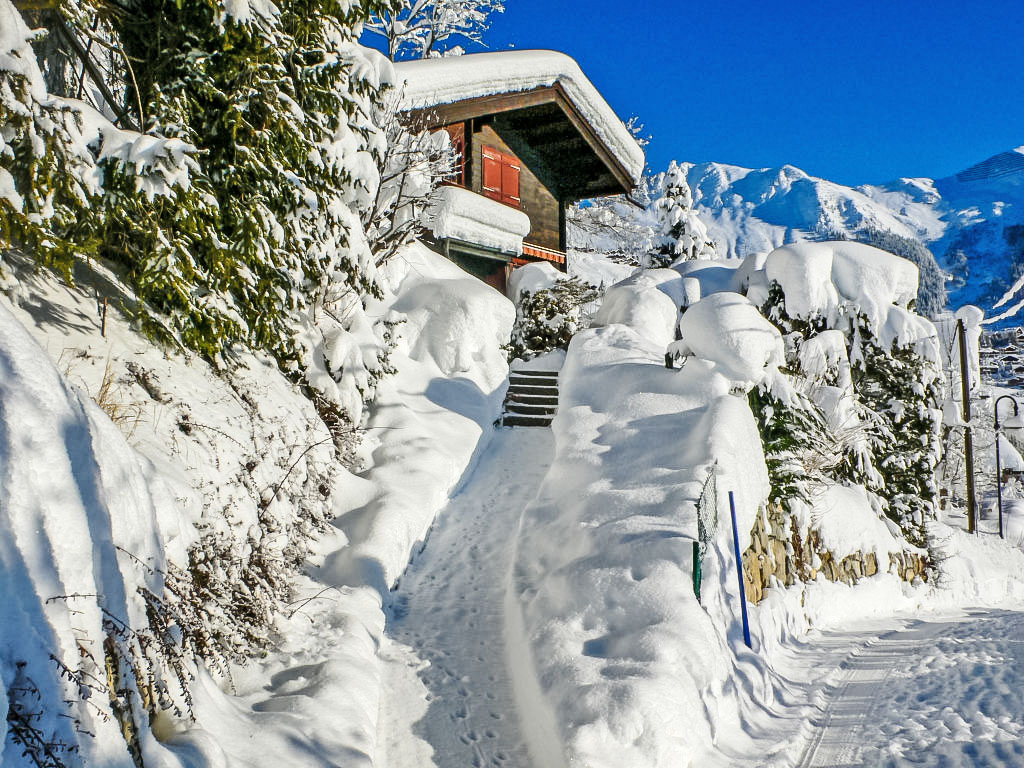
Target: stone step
(535, 410)
(521, 389)
(513, 397)
(526, 421)
(545, 374)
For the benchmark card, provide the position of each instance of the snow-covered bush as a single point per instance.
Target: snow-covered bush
(414, 162)
(547, 318)
(865, 368)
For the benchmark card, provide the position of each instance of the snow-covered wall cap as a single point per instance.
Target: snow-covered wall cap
(458, 214)
(432, 82)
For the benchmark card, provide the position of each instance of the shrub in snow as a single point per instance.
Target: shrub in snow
(878, 389)
(547, 318)
(681, 234)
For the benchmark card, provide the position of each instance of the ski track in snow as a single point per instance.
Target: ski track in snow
(447, 623)
(936, 693)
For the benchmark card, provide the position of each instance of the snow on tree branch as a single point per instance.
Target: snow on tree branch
(423, 29)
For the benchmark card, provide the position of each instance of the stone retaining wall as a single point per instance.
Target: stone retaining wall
(779, 555)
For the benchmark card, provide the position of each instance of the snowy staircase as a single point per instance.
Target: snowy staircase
(531, 400)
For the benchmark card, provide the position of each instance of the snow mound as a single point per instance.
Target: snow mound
(430, 82)
(459, 214)
(727, 330)
(430, 420)
(817, 277)
(647, 302)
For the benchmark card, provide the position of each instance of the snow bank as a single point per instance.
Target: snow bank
(84, 523)
(218, 447)
(457, 213)
(634, 671)
(432, 418)
(430, 82)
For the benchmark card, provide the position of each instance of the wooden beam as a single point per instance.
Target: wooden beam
(444, 114)
(595, 142)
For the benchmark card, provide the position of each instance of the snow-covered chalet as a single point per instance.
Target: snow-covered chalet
(534, 136)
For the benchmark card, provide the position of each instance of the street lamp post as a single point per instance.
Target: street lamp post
(1014, 422)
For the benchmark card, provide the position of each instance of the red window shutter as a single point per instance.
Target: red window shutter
(492, 173)
(510, 181)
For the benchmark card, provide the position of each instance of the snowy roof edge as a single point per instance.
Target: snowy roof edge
(432, 82)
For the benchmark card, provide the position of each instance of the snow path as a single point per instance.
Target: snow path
(941, 692)
(448, 699)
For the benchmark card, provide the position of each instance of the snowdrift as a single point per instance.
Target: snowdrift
(86, 512)
(84, 523)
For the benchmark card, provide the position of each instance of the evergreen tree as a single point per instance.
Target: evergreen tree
(547, 319)
(681, 234)
(901, 391)
(893, 451)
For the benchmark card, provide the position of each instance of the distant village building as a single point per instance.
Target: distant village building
(534, 137)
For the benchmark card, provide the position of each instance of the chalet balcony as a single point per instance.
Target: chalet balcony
(533, 252)
(461, 217)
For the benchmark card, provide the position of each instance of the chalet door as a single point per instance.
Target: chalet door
(501, 176)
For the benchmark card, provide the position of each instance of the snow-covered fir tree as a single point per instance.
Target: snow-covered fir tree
(680, 232)
(547, 319)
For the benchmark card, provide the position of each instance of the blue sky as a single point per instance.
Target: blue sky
(858, 92)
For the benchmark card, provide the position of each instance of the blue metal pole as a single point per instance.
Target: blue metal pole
(739, 570)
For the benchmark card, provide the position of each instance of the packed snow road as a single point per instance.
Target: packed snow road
(448, 699)
(937, 692)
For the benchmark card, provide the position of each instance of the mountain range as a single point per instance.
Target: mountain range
(973, 222)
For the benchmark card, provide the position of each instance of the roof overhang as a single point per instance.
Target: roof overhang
(548, 133)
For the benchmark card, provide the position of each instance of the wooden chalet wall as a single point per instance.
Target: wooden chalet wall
(537, 202)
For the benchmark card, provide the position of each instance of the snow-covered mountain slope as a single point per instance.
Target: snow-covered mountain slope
(967, 220)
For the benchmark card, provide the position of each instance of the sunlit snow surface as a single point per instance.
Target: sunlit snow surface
(939, 692)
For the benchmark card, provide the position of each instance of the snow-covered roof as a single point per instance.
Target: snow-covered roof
(432, 82)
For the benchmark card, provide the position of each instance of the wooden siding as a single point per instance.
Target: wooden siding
(536, 201)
